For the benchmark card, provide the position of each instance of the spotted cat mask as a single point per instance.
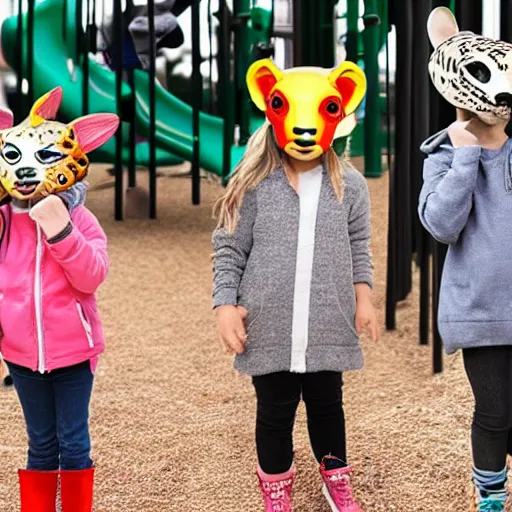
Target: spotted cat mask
(471, 72)
(41, 156)
(308, 107)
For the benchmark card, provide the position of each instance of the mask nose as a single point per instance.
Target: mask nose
(504, 98)
(303, 131)
(26, 173)
(306, 135)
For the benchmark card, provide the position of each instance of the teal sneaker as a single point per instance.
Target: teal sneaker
(487, 503)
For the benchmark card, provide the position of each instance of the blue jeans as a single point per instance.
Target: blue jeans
(56, 410)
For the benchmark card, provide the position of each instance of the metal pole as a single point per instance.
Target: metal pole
(224, 67)
(197, 81)
(118, 45)
(84, 49)
(469, 14)
(78, 29)
(30, 52)
(420, 131)
(424, 258)
(440, 116)
(325, 55)
(64, 20)
(399, 279)
(152, 112)
(352, 30)
(298, 51)
(242, 52)
(506, 21)
(439, 254)
(372, 156)
(20, 58)
(132, 174)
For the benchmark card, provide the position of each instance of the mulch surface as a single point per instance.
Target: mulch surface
(173, 424)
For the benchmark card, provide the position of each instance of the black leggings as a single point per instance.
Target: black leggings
(278, 396)
(489, 371)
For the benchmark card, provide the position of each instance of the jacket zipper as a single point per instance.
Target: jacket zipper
(38, 302)
(86, 325)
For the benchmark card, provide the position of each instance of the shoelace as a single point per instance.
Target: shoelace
(278, 499)
(342, 486)
(490, 505)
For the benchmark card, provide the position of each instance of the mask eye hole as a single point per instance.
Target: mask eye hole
(48, 156)
(11, 154)
(278, 103)
(331, 108)
(479, 71)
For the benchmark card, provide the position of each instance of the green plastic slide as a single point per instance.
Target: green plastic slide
(51, 69)
(174, 134)
(174, 127)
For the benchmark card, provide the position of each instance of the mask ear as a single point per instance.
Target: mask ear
(350, 81)
(6, 119)
(261, 77)
(94, 130)
(441, 25)
(46, 107)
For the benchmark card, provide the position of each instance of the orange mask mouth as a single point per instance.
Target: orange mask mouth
(306, 105)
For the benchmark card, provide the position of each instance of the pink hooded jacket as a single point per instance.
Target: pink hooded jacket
(48, 311)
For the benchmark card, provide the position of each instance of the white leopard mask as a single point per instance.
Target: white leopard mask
(470, 71)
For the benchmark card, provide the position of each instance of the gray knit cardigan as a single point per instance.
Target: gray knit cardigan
(255, 267)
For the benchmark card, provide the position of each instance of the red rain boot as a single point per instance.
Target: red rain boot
(76, 488)
(38, 490)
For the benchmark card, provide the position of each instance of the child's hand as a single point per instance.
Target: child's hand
(51, 214)
(231, 328)
(460, 134)
(366, 316)
(366, 319)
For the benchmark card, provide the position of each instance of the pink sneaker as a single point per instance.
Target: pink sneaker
(337, 489)
(277, 490)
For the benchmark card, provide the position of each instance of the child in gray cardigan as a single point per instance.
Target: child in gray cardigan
(292, 288)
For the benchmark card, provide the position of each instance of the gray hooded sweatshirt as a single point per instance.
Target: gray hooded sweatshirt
(466, 202)
(292, 263)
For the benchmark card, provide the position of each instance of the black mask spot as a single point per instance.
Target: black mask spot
(479, 71)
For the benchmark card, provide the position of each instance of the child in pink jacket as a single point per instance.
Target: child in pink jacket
(53, 258)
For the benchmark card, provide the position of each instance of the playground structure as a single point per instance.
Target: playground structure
(54, 42)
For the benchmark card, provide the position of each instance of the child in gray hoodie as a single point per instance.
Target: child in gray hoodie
(466, 202)
(293, 273)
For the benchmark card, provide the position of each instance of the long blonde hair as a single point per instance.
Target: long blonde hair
(261, 157)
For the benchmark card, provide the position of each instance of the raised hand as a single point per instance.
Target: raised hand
(461, 135)
(52, 215)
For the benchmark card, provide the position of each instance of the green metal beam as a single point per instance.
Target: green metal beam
(242, 14)
(372, 121)
(352, 30)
